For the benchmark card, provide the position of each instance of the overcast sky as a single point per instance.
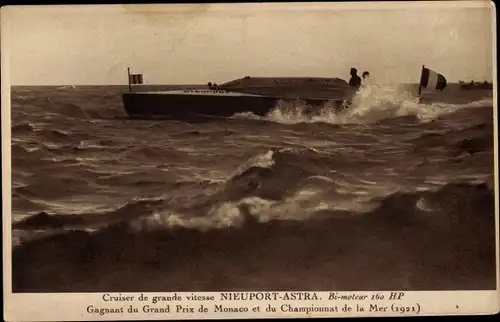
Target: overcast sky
(190, 44)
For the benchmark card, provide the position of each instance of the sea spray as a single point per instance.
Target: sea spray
(371, 104)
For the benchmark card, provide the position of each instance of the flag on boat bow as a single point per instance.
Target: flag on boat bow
(432, 80)
(135, 79)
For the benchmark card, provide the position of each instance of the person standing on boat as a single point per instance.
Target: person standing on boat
(365, 84)
(366, 79)
(355, 80)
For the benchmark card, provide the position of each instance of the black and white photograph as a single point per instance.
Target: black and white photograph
(270, 147)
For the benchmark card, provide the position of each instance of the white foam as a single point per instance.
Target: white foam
(371, 104)
(262, 161)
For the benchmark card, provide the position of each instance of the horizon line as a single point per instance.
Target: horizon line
(198, 84)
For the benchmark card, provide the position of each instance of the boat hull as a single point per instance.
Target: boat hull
(469, 87)
(151, 105)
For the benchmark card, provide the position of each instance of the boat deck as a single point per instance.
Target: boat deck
(198, 92)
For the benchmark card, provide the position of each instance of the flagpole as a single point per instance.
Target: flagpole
(420, 84)
(128, 78)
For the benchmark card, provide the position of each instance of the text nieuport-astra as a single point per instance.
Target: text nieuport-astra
(236, 296)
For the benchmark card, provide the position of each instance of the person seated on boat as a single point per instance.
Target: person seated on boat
(215, 87)
(210, 85)
(355, 81)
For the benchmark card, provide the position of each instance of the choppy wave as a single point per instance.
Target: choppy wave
(421, 231)
(390, 194)
(287, 183)
(108, 102)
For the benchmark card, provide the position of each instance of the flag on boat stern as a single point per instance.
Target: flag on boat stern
(432, 80)
(135, 79)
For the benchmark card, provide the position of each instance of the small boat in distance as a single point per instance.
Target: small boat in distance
(258, 95)
(474, 85)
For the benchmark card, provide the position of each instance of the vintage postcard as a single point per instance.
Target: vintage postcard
(250, 160)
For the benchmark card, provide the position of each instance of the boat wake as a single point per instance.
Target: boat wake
(371, 104)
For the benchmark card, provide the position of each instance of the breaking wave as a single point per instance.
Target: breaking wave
(230, 246)
(286, 183)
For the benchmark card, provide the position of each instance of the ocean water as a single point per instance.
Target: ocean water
(390, 194)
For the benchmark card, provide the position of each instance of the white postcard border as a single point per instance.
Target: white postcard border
(74, 306)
